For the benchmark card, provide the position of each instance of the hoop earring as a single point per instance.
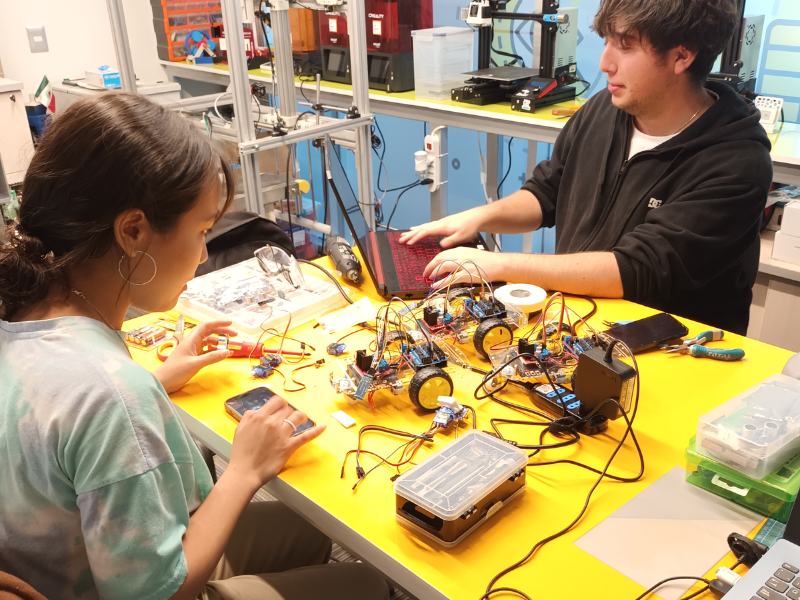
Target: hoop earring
(127, 279)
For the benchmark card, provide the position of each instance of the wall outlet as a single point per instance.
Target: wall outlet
(37, 39)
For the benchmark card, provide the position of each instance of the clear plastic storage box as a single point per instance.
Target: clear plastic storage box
(773, 496)
(755, 432)
(452, 493)
(441, 57)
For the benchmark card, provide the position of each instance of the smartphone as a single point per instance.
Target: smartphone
(650, 332)
(255, 399)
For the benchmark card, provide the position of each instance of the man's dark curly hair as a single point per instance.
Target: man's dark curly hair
(702, 26)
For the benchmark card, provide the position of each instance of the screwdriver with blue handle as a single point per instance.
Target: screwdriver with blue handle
(696, 348)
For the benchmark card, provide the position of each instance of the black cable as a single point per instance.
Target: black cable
(559, 390)
(258, 104)
(396, 202)
(585, 89)
(508, 170)
(542, 542)
(330, 276)
(289, 196)
(517, 57)
(663, 581)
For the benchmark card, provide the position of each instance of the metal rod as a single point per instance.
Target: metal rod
(298, 135)
(357, 29)
(282, 61)
(303, 222)
(311, 176)
(122, 47)
(325, 107)
(242, 104)
(318, 110)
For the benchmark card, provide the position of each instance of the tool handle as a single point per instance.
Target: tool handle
(729, 355)
(712, 335)
(243, 349)
(343, 258)
(168, 345)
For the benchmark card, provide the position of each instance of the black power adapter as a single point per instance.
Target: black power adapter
(598, 377)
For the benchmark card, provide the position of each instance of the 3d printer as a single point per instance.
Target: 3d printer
(335, 45)
(390, 56)
(553, 69)
(739, 59)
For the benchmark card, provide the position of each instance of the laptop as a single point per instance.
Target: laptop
(395, 268)
(776, 576)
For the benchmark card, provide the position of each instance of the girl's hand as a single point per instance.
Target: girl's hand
(187, 357)
(263, 441)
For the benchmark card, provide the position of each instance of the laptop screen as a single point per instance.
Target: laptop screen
(357, 223)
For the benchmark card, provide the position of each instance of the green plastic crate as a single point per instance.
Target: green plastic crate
(772, 496)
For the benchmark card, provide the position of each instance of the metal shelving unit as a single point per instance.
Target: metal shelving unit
(359, 120)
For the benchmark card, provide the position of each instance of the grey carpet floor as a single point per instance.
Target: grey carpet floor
(339, 554)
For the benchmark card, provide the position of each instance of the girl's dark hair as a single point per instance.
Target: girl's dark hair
(702, 26)
(100, 157)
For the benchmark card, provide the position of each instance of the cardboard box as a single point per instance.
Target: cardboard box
(786, 247)
(103, 77)
(790, 224)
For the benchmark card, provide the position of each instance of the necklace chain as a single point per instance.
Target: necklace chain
(80, 295)
(689, 121)
(685, 125)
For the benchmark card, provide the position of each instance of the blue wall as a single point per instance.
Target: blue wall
(778, 75)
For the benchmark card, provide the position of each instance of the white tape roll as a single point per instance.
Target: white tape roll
(529, 298)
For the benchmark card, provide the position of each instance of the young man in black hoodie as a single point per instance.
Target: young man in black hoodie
(656, 185)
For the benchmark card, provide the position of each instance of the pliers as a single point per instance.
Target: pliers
(696, 348)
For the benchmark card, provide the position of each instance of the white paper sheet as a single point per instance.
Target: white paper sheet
(671, 528)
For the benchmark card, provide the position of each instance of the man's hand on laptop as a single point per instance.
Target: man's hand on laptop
(492, 266)
(457, 229)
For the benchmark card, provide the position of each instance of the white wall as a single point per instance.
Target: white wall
(78, 36)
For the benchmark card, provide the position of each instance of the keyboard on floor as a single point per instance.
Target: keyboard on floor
(784, 583)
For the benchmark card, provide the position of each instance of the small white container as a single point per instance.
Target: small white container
(755, 432)
(786, 248)
(791, 219)
(441, 57)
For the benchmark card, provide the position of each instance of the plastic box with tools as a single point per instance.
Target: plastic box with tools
(755, 432)
(774, 496)
(452, 493)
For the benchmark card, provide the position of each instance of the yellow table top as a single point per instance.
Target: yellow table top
(675, 391)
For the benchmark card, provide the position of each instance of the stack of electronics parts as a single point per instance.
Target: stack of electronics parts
(304, 26)
(448, 496)
(253, 301)
(390, 56)
(748, 449)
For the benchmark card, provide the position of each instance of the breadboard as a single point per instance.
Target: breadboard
(243, 294)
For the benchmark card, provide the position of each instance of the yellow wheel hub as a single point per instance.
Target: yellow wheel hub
(499, 336)
(431, 390)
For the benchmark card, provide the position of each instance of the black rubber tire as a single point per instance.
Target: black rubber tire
(423, 376)
(483, 330)
(459, 293)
